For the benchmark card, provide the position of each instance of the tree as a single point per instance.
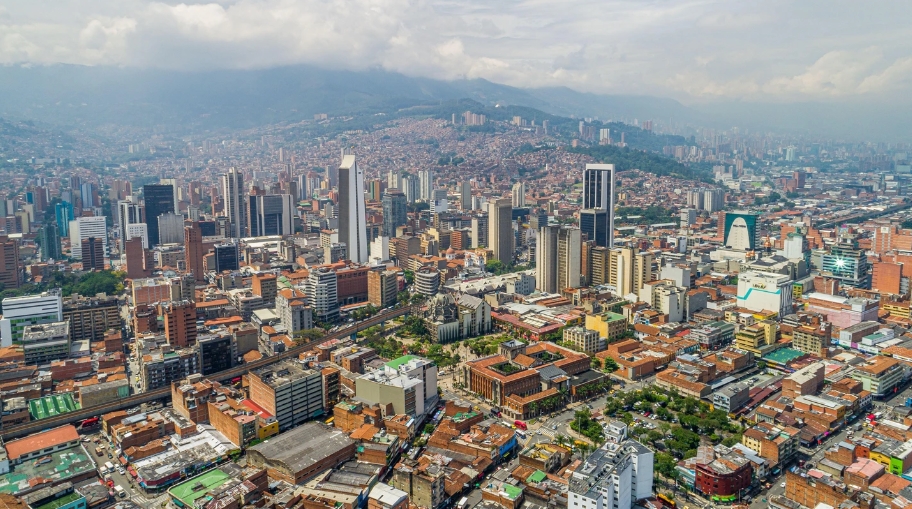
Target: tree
(665, 464)
(307, 335)
(429, 428)
(403, 297)
(611, 365)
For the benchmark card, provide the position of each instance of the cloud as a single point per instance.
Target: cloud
(688, 49)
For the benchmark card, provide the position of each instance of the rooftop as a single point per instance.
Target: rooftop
(304, 446)
(42, 440)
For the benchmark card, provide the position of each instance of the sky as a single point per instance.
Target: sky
(690, 50)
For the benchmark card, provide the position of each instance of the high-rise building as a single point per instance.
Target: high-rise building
(135, 257)
(557, 259)
(271, 214)
(129, 213)
(395, 212)
(741, 230)
(19, 312)
(410, 188)
(519, 195)
(479, 231)
(500, 229)
(425, 184)
(193, 250)
(235, 209)
(49, 237)
(92, 250)
(352, 213)
(847, 263)
(85, 227)
(628, 270)
(11, 268)
(599, 193)
(89, 193)
(465, 195)
(226, 257)
(140, 230)
(158, 200)
(382, 287)
(180, 322)
(170, 228)
(614, 476)
(394, 180)
(596, 225)
(713, 200)
(63, 211)
(321, 287)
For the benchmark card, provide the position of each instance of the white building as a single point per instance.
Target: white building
(613, 477)
(19, 312)
(665, 298)
(321, 288)
(170, 228)
(425, 184)
(140, 230)
(379, 250)
(83, 228)
(352, 213)
(519, 195)
(758, 291)
(419, 369)
(383, 386)
(233, 192)
(557, 258)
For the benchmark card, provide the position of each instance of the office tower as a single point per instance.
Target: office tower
(89, 193)
(129, 213)
(135, 258)
(595, 224)
(321, 288)
(50, 243)
(140, 230)
(271, 214)
(382, 287)
(158, 200)
(628, 270)
(235, 209)
(741, 230)
(479, 231)
(557, 259)
(63, 211)
(425, 184)
(352, 229)
(11, 268)
(92, 250)
(847, 263)
(84, 228)
(500, 229)
(394, 180)
(519, 195)
(175, 190)
(713, 200)
(598, 193)
(226, 257)
(193, 251)
(19, 312)
(465, 195)
(395, 212)
(170, 228)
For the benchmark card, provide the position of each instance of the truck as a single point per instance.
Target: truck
(99, 451)
(109, 466)
(119, 491)
(462, 503)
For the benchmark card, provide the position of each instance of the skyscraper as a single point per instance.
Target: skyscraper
(271, 214)
(425, 184)
(170, 228)
(235, 208)
(395, 212)
(500, 229)
(594, 223)
(519, 195)
(394, 180)
(87, 227)
(64, 214)
(352, 213)
(10, 266)
(598, 194)
(50, 242)
(226, 257)
(193, 250)
(128, 213)
(410, 188)
(465, 195)
(92, 254)
(158, 199)
(557, 259)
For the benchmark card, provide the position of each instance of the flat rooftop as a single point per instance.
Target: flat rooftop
(64, 464)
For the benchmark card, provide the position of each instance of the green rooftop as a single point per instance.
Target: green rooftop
(783, 355)
(57, 466)
(395, 363)
(609, 316)
(512, 491)
(51, 406)
(536, 477)
(189, 491)
(60, 502)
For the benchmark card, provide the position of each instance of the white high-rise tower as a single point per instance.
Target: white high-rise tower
(235, 206)
(352, 213)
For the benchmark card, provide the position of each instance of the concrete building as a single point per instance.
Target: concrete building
(19, 312)
(289, 391)
(879, 375)
(382, 287)
(352, 213)
(270, 214)
(584, 339)
(615, 476)
(558, 254)
(233, 193)
(406, 394)
(665, 298)
(731, 398)
(91, 317)
(297, 455)
(765, 291)
(294, 313)
(83, 228)
(500, 229)
(427, 281)
(321, 288)
(46, 342)
(599, 194)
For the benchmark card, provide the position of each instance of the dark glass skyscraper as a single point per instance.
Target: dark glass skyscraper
(159, 199)
(594, 223)
(395, 212)
(226, 257)
(598, 195)
(50, 242)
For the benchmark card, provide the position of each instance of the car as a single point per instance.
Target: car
(554, 426)
(782, 484)
(121, 471)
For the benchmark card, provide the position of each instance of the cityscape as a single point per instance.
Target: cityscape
(283, 286)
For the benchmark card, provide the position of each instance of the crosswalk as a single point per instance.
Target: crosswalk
(548, 432)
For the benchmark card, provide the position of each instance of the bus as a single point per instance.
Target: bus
(665, 498)
(520, 425)
(462, 503)
(88, 423)
(521, 434)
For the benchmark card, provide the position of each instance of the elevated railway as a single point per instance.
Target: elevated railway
(164, 393)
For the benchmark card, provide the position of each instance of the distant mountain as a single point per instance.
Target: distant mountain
(188, 101)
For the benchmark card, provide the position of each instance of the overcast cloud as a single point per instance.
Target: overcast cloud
(691, 50)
